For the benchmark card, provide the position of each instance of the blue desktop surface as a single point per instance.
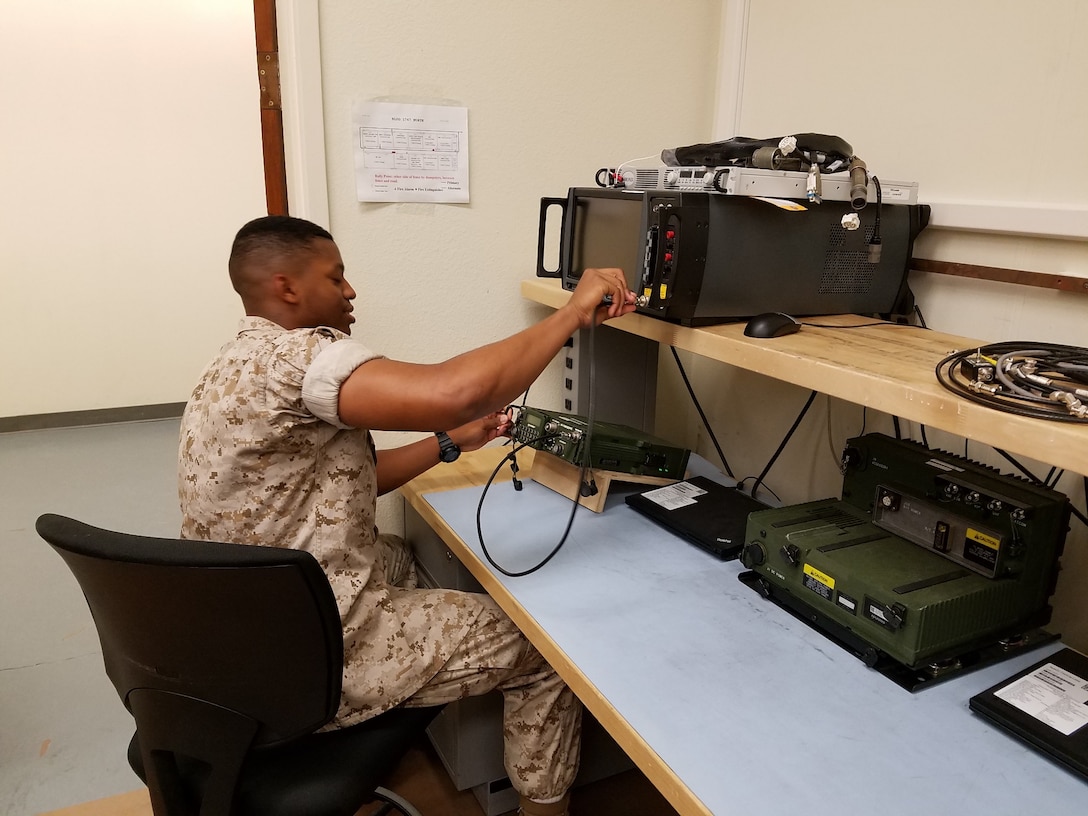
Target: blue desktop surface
(753, 710)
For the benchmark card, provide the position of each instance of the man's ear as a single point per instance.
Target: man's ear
(283, 288)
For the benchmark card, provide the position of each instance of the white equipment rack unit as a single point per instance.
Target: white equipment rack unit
(750, 181)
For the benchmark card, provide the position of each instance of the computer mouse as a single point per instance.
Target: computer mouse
(771, 324)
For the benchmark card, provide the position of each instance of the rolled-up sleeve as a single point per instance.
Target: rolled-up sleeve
(327, 372)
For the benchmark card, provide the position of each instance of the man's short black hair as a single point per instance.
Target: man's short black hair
(271, 235)
(277, 232)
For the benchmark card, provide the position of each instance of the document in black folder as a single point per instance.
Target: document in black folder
(1045, 705)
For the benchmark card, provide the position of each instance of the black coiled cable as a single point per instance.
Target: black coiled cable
(1039, 380)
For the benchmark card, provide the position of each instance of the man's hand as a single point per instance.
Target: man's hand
(593, 287)
(474, 435)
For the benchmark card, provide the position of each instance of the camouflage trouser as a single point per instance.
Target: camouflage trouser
(542, 719)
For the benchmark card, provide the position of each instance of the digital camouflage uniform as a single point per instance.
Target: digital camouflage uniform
(265, 460)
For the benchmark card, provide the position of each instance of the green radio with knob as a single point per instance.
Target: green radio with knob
(928, 561)
(611, 446)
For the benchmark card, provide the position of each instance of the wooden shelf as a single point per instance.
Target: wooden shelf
(884, 367)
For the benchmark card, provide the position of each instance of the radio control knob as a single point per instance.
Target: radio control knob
(792, 553)
(896, 614)
(754, 554)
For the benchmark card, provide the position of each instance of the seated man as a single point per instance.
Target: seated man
(276, 450)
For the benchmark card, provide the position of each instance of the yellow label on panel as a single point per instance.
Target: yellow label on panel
(783, 204)
(983, 539)
(663, 292)
(823, 578)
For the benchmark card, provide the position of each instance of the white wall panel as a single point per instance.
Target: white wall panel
(130, 153)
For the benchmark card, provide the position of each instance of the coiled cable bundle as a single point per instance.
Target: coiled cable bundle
(1042, 380)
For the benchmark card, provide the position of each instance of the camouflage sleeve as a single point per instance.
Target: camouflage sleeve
(332, 365)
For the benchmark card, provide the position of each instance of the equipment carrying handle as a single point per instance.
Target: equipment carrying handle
(545, 204)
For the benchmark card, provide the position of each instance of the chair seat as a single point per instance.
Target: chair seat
(329, 773)
(230, 658)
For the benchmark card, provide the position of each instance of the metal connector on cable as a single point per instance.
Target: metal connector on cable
(859, 183)
(640, 300)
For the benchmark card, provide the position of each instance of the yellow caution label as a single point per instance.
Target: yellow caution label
(783, 203)
(663, 292)
(983, 539)
(822, 577)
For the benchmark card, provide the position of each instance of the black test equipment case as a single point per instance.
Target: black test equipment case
(701, 258)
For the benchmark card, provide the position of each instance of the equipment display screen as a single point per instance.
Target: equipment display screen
(607, 233)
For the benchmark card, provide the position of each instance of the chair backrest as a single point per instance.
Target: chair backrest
(249, 630)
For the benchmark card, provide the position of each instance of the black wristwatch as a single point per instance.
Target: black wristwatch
(447, 448)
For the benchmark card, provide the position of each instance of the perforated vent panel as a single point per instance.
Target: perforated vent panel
(847, 271)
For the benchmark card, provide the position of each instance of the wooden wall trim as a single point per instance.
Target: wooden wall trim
(268, 73)
(1064, 283)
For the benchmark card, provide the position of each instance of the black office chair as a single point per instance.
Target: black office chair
(229, 657)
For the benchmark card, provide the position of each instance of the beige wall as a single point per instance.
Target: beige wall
(129, 155)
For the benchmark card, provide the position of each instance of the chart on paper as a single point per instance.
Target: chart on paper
(407, 152)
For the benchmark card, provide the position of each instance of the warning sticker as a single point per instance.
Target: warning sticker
(981, 548)
(983, 539)
(819, 582)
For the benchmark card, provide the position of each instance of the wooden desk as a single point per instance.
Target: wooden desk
(723, 700)
(887, 368)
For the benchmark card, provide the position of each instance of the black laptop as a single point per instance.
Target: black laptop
(706, 513)
(1046, 706)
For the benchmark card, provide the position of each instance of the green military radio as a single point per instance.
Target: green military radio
(929, 564)
(613, 447)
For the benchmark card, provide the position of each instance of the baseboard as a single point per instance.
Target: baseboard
(100, 416)
(137, 803)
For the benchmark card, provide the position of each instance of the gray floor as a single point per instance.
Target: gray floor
(62, 729)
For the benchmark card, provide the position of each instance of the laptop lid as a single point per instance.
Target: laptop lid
(704, 512)
(1046, 706)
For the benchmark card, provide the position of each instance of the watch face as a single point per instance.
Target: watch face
(447, 448)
